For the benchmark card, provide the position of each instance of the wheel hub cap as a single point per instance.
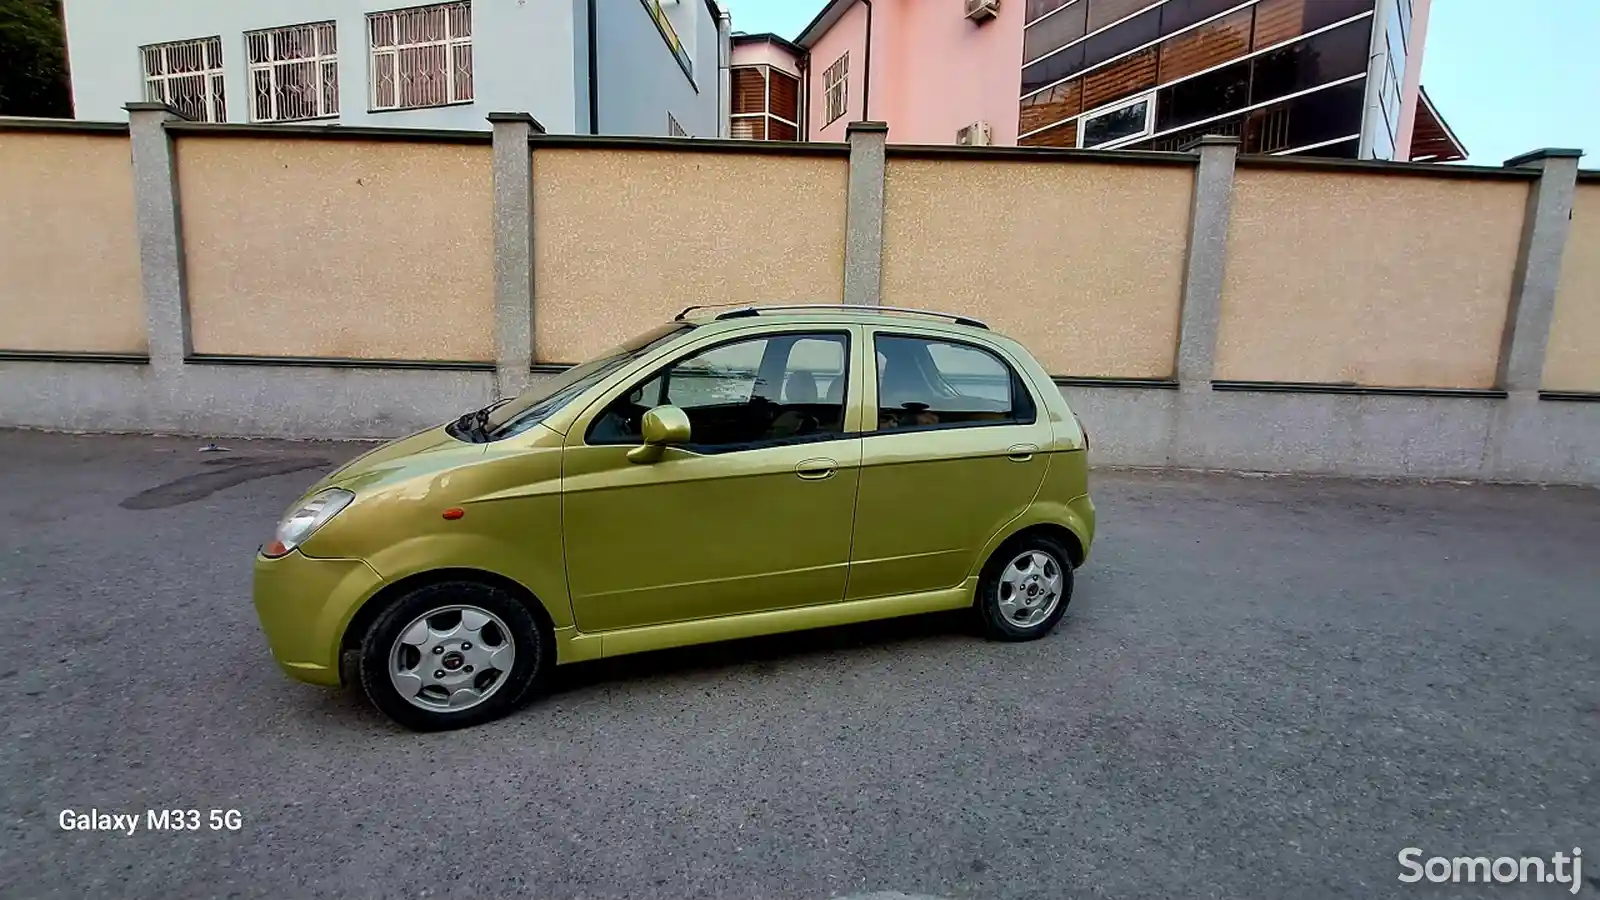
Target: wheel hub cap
(1030, 588)
(451, 658)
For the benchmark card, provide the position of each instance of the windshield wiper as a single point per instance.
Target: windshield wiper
(475, 424)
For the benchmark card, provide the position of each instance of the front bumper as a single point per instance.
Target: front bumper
(305, 604)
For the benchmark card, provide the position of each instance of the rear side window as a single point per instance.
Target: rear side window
(928, 383)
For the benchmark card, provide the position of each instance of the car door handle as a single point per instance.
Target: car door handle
(816, 469)
(1022, 452)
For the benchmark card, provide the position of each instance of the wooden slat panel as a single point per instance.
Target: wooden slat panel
(749, 89)
(1278, 21)
(1060, 136)
(1061, 101)
(785, 96)
(1209, 45)
(751, 129)
(1121, 79)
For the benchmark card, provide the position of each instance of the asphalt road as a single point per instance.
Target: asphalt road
(1264, 688)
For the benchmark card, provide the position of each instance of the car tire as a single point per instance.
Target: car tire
(396, 652)
(1007, 611)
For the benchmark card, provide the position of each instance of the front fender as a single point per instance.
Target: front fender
(535, 563)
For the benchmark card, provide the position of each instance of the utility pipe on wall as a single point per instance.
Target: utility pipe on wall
(724, 74)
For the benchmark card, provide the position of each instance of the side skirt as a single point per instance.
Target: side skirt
(575, 646)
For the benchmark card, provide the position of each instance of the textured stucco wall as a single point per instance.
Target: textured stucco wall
(1368, 279)
(1572, 361)
(1083, 263)
(299, 247)
(624, 239)
(69, 245)
(765, 53)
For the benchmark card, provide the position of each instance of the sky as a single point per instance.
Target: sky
(1508, 75)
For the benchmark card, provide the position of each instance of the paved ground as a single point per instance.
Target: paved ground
(1265, 688)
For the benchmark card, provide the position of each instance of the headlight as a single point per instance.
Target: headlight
(303, 522)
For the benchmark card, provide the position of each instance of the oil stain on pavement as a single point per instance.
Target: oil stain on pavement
(222, 474)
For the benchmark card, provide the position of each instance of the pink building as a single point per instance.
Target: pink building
(1319, 77)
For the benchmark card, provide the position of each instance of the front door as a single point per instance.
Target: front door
(754, 514)
(958, 451)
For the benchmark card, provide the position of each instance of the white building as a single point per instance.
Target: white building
(639, 67)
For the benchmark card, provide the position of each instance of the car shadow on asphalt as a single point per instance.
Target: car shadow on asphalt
(761, 655)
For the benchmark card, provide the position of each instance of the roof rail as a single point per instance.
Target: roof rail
(746, 311)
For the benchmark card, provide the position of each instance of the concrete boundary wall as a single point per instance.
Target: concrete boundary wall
(1507, 430)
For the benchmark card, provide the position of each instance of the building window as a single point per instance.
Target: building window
(673, 128)
(294, 72)
(1133, 119)
(766, 104)
(421, 56)
(187, 76)
(834, 88)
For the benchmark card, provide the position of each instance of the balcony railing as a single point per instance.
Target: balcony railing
(664, 25)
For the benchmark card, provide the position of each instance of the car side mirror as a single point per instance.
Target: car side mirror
(662, 427)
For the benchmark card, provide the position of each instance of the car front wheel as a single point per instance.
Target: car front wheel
(1024, 589)
(452, 654)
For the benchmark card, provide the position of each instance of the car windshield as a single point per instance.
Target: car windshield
(538, 403)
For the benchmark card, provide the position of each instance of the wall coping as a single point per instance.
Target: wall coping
(1378, 167)
(61, 126)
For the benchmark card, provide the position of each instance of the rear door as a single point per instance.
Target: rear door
(957, 448)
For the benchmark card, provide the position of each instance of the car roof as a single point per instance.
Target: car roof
(830, 314)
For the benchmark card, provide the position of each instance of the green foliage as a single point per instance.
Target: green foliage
(33, 60)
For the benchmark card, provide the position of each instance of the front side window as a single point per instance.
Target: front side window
(926, 383)
(187, 76)
(421, 56)
(766, 391)
(294, 72)
(834, 86)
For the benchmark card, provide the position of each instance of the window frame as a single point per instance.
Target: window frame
(843, 86)
(318, 60)
(795, 335)
(216, 101)
(766, 115)
(450, 42)
(1148, 97)
(1018, 384)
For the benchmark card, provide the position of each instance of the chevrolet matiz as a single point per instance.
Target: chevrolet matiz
(728, 474)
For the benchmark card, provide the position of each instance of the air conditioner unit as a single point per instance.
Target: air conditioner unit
(982, 10)
(978, 134)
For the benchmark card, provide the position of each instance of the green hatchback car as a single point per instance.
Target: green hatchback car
(728, 474)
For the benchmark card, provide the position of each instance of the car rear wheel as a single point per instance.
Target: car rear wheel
(453, 654)
(1024, 589)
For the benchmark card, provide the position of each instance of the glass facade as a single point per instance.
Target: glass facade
(1282, 74)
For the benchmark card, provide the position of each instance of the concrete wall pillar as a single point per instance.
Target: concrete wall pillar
(1189, 418)
(1201, 305)
(513, 249)
(863, 240)
(1545, 227)
(160, 224)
